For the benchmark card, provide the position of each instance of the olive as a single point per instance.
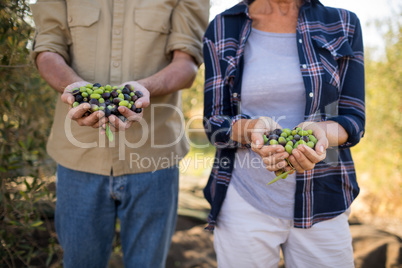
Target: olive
(310, 144)
(125, 90)
(117, 101)
(305, 138)
(126, 97)
(296, 137)
(138, 110)
(139, 94)
(106, 95)
(277, 131)
(75, 91)
(107, 112)
(114, 94)
(94, 102)
(273, 137)
(79, 98)
(282, 141)
(289, 148)
(96, 85)
(123, 103)
(273, 142)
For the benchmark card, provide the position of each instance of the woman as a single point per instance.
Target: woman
(280, 64)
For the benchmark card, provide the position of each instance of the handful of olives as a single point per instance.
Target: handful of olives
(107, 99)
(289, 139)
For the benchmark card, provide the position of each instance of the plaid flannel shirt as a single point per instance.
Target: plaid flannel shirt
(330, 48)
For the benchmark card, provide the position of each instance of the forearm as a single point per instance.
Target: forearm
(53, 68)
(179, 74)
(334, 132)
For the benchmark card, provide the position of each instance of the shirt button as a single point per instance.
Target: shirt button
(116, 64)
(300, 41)
(234, 95)
(304, 66)
(117, 32)
(311, 94)
(164, 27)
(70, 19)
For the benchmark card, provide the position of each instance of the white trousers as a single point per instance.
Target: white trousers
(245, 237)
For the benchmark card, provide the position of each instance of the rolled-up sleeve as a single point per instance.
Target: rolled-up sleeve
(189, 21)
(351, 110)
(50, 18)
(218, 111)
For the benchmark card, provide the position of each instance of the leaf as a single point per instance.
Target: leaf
(282, 176)
(109, 133)
(36, 224)
(24, 195)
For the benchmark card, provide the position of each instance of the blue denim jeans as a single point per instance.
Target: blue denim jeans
(87, 207)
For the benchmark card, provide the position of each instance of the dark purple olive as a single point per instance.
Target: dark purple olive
(305, 138)
(106, 95)
(138, 110)
(117, 101)
(133, 107)
(126, 90)
(139, 94)
(94, 101)
(96, 85)
(126, 97)
(75, 92)
(79, 98)
(114, 94)
(107, 112)
(108, 102)
(277, 132)
(294, 141)
(296, 137)
(134, 98)
(273, 137)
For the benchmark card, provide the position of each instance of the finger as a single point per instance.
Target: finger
(277, 166)
(92, 119)
(118, 125)
(102, 121)
(295, 164)
(257, 140)
(68, 98)
(78, 112)
(269, 150)
(304, 163)
(310, 154)
(130, 115)
(289, 169)
(275, 158)
(321, 146)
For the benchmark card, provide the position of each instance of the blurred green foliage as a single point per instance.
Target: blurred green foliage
(26, 111)
(378, 155)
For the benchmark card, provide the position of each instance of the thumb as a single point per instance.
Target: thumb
(321, 146)
(257, 140)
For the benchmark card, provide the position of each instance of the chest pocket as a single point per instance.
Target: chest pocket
(149, 39)
(82, 21)
(331, 54)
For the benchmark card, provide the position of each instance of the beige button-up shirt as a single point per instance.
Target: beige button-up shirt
(111, 42)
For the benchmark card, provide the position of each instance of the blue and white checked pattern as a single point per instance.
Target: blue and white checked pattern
(330, 50)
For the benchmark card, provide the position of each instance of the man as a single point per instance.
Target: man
(156, 47)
